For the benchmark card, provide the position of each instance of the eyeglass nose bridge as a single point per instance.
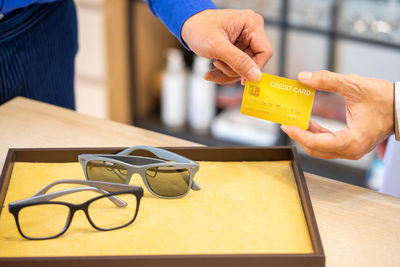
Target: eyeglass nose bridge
(140, 173)
(73, 208)
(134, 172)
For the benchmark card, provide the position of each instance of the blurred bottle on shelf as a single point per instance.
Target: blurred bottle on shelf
(173, 91)
(202, 97)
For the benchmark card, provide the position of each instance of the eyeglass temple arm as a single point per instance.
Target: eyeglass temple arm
(163, 154)
(46, 197)
(110, 187)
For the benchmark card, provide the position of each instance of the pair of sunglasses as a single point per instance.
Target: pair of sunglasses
(168, 176)
(40, 218)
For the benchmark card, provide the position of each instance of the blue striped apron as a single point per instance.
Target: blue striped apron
(38, 45)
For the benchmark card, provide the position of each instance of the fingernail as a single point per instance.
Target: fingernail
(243, 81)
(305, 76)
(254, 74)
(284, 128)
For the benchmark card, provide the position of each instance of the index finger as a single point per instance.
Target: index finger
(261, 47)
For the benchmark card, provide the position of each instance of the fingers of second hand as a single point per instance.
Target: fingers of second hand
(319, 154)
(314, 127)
(315, 152)
(325, 142)
(300, 136)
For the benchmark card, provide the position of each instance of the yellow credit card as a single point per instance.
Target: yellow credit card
(278, 99)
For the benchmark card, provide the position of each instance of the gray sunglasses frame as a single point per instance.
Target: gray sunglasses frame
(122, 158)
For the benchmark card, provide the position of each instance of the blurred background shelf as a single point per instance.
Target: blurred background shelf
(122, 60)
(306, 35)
(155, 124)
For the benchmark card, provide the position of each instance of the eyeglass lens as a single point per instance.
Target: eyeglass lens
(101, 170)
(106, 215)
(43, 220)
(49, 220)
(167, 181)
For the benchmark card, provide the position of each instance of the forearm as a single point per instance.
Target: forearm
(174, 13)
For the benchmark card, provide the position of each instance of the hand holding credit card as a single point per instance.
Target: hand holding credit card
(278, 99)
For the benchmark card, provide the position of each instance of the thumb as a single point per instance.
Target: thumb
(324, 80)
(239, 61)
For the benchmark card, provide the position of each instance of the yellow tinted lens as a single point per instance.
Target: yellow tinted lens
(44, 220)
(106, 215)
(106, 171)
(168, 181)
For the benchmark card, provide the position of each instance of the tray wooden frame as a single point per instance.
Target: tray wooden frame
(316, 259)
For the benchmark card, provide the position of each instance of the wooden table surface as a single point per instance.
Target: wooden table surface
(358, 227)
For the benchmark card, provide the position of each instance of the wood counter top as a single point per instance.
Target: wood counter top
(358, 227)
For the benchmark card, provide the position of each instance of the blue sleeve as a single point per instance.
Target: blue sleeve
(174, 13)
(6, 6)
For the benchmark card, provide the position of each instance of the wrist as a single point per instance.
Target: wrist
(396, 110)
(190, 26)
(175, 13)
(382, 118)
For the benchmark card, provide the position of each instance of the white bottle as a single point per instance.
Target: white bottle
(173, 93)
(202, 97)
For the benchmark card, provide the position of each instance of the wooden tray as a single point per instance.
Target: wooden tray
(207, 154)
